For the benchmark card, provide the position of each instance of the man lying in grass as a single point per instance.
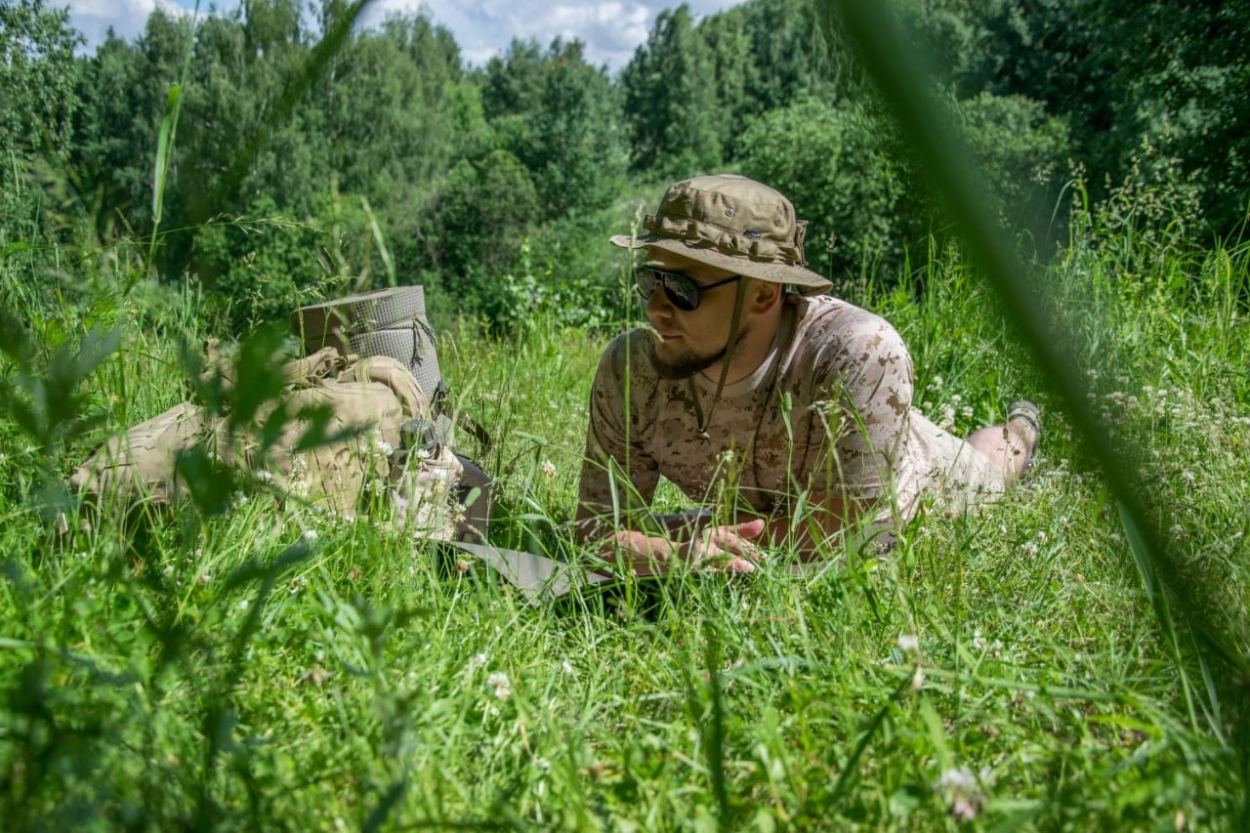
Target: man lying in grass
(754, 390)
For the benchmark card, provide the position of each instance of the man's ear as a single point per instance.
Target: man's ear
(762, 295)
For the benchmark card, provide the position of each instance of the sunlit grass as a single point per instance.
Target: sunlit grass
(1038, 689)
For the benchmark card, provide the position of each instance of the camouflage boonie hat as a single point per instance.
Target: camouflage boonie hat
(733, 223)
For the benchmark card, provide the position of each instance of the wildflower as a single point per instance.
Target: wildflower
(383, 447)
(963, 793)
(243, 603)
(917, 680)
(478, 660)
(547, 468)
(264, 476)
(567, 667)
(1189, 477)
(310, 535)
(978, 640)
(908, 642)
(501, 685)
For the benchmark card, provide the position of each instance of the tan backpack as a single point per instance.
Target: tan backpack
(377, 394)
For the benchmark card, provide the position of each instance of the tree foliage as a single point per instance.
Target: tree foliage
(454, 169)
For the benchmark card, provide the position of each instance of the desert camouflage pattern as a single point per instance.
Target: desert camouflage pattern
(828, 413)
(375, 395)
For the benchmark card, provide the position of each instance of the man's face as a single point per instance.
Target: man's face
(690, 341)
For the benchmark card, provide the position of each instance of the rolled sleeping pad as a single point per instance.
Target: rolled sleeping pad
(332, 322)
(386, 322)
(412, 342)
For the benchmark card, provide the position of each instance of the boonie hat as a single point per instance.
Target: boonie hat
(733, 223)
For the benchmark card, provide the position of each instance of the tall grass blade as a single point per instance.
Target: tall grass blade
(892, 62)
(714, 736)
(165, 147)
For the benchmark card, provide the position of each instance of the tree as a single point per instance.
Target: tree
(37, 75)
(676, 124)
(38, 101)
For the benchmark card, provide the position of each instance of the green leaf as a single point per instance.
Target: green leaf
(164, 146)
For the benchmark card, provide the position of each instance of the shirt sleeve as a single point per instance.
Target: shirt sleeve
(618, 474)
(864, 415)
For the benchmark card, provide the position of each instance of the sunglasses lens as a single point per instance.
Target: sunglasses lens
(645, 280)
(681, 290)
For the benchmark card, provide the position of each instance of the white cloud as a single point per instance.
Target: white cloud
(127, 17)
(611, 29)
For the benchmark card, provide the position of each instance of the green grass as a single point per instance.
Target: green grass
(156, 681)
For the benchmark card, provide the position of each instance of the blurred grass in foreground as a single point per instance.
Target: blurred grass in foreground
(380, 689)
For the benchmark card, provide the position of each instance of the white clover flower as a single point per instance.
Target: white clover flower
(498, 681)
(917, 680)
(383, 447)
(567, 667)
(310, 535)
(264, 476)
(243, 603)
(908, 642)
(547, 468)
(978, 640)
(963, 793)
(956, 779)
(478, 660)
(1189, 477)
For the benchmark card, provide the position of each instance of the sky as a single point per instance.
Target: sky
(611, 29)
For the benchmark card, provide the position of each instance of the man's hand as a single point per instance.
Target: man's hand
(730, 548)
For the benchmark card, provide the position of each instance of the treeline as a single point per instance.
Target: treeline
(497, 184)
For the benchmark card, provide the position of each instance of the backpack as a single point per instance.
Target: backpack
(393, 322)
(375, 393)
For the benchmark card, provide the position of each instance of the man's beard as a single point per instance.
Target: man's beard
(687, 364)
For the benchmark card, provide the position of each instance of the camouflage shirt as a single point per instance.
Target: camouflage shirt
(828, 412)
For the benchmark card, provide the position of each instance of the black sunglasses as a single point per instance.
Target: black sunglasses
(680, 289)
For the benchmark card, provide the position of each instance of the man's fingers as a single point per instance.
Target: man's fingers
(729, 540)
(751, 529)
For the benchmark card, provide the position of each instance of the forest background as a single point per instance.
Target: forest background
(496, 186)
(249, 663)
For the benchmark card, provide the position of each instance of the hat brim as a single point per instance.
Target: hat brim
(808, 281)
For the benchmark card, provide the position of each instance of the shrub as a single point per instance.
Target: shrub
(264, 264)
